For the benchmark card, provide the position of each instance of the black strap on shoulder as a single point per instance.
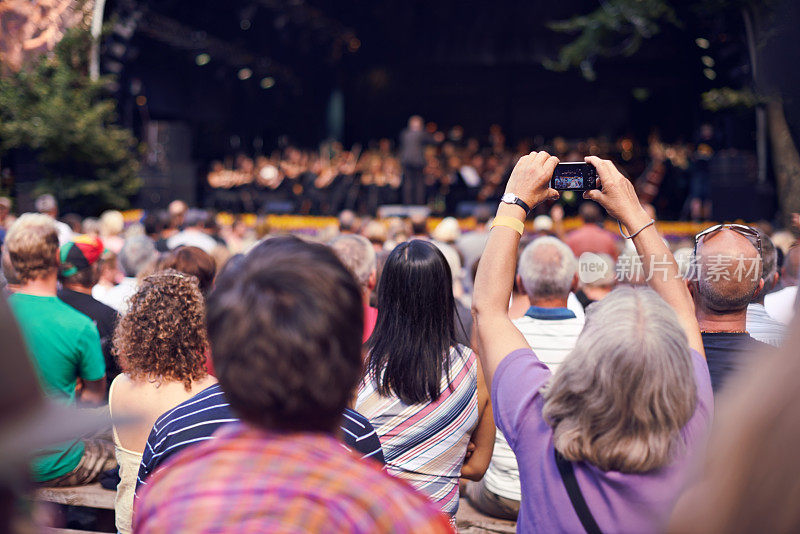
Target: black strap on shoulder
(567, 473)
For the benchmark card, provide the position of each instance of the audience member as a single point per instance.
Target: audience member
(615, 467)
(193, 233)
(760, 324)
(46, 204)
(160, 344)
(423, 391)
(780, 305)
(137, 253)
(112, 223)
(749, 482)
(358, 255)
(348, 222)
(597, 287)
(376, 233)
(470, 244)
(192, 261)
(727, 279)
(547, 271)
(592, 237)
(64, 346)
(78, 273)
(5, 211)
(280, 468)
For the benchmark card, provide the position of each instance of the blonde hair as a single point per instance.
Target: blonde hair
(622, 396)
(32, 244)
(111, 223)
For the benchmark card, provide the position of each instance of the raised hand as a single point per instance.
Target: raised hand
(530, 179)
(616, 195)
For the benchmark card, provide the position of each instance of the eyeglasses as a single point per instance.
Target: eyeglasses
(741, 229)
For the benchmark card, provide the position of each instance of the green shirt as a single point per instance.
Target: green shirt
(64, 345)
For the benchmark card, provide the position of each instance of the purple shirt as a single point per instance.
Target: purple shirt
(619, 502)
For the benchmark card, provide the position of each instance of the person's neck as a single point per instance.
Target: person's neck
(40, 287)
(596, 293)
(77, 288)
(715, 322)
(548, 302)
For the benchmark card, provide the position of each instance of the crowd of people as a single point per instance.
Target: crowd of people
(448, 172)
(370, 377)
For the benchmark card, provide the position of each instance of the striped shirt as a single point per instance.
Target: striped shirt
(551, 333)
(248, 480)
(425, 443)
(763, 327)
(196, 419)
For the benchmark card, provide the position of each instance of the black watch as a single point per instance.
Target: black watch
(511, 198)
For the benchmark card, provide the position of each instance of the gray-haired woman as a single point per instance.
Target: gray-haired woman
(605, 443)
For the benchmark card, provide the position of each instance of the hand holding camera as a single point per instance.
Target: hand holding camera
(617, 195)
(530, 179)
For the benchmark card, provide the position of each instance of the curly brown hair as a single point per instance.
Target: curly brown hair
(163, 335)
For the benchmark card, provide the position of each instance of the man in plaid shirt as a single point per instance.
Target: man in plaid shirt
(285, 331)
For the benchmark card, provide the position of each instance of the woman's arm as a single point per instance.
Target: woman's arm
(660, 269)
(482, 439)
(497, 336)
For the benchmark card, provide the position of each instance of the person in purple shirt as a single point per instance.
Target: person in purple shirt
(621, 420)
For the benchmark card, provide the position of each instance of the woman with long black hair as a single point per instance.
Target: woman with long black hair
(423, 392)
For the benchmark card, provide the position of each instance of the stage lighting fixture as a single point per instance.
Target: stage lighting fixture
(702, 43)
(267, 82)
(709, 73)
(708, 61)
(202, 59)
(244, 73)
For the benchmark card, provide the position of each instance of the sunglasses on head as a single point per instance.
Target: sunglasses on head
(741, 229)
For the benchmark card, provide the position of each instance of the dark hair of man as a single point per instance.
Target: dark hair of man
(285, 328)
(410, 346)
(85, 277)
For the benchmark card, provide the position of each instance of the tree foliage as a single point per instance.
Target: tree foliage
(52, 108)
(617, 27)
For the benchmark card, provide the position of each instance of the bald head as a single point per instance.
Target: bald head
(729, 271)
(790, 272)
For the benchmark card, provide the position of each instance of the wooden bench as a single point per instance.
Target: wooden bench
(91, 496)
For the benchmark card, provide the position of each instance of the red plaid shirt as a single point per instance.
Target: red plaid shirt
(249, 480)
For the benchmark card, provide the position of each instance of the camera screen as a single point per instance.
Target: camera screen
(568, 179)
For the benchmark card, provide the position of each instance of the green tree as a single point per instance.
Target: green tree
(621, 26)
(52, 108)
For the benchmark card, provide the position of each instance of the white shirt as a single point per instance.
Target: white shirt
(551, 338)
(192, 238)
(763, 327)
(117, 296)
(780, 305)
(64, 232)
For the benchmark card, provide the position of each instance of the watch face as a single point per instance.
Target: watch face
(509, 198)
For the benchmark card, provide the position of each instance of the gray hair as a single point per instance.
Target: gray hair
(547, 268)
(622, 396)
(137, 252)
(357, 254)
(45, 203)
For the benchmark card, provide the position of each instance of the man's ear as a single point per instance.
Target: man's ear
(574, 287)
(372, 281)
(759, 289)
(776, 278)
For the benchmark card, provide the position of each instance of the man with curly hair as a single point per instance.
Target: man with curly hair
(64, 345)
